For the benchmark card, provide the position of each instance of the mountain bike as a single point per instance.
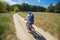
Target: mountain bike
(31, 29)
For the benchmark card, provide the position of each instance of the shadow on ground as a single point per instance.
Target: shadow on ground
(37, 35)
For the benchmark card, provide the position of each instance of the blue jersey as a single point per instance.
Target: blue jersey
(31, 17)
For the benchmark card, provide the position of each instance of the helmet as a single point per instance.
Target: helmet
(30, 12)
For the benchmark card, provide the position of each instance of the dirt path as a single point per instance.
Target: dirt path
(21, 30)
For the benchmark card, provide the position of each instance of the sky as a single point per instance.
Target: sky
(43, 3)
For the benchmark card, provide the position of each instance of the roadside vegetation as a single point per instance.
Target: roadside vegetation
(7, 29)
(49, 22)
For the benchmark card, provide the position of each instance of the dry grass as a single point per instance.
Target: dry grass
(47, 21)
(7, 30)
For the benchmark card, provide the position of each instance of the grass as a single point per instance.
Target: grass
(7, 30)
(49, 22)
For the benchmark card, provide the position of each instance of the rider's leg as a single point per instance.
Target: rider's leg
(28, 26)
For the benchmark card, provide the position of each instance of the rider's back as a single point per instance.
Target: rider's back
(31, 17)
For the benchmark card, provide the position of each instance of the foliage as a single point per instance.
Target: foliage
(5, 7)
(16, 9)
(26, 7)
(50, 8)
(57, 7)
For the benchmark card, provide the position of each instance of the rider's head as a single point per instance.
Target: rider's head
(29, 12)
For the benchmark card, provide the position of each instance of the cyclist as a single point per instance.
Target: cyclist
(30, 21)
